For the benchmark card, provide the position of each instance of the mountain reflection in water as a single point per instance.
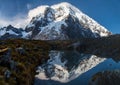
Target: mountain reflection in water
(72, 68)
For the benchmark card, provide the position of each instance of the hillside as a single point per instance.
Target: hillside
(19, 59)
(107, 47)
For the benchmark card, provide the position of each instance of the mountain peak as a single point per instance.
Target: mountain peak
(10, 26)
(63, 21)
(66, 6)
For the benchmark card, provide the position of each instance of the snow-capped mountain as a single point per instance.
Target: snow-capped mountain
(63, 21)
(11, 32)
(57, 22)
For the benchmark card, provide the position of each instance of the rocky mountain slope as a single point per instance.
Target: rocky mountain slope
(11, 32)
(64, 21)
(58, 22)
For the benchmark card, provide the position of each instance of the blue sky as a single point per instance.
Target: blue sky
(106, 12)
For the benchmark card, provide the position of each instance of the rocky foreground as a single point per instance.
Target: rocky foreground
(106, 78)
(19, 59)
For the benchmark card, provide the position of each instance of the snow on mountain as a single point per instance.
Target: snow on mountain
(12, 32)
(58, 22)
(4, 31)
(66, 66)
(63, 21)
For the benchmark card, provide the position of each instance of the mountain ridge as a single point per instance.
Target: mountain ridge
(59, 22)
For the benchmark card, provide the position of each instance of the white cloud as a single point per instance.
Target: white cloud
(16, 22)
(3, 23)
(29, 6)
(19, 21)
(36, 11)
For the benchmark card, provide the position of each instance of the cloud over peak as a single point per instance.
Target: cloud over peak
(21, 20)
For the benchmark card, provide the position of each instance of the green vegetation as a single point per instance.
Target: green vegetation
(26, 56)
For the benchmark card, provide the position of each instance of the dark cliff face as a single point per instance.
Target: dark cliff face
(75, 30)
(37, 24)
(36, 28)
